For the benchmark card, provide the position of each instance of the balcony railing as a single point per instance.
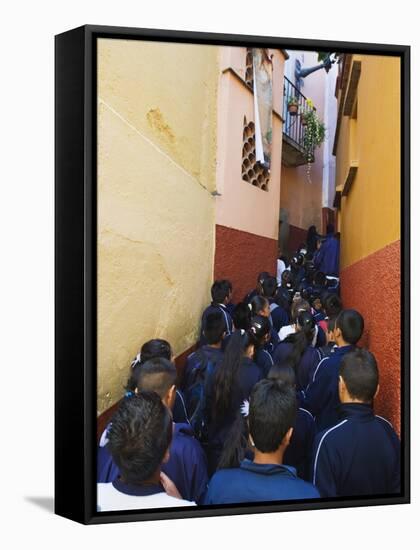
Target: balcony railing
(293, 129)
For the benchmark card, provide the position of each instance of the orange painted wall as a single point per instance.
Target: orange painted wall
(373, 286)
(369, 221)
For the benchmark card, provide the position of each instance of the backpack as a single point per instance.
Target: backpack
(196, 395)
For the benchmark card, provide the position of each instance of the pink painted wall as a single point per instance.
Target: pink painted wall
(241, 205)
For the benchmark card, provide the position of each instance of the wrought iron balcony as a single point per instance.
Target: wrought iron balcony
(293, 152)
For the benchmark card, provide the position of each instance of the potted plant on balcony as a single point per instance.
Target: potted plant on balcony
(293, 105)
(313, 137)
(304, 118)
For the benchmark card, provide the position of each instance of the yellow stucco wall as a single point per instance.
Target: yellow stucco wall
(156, 216)
(370, 215)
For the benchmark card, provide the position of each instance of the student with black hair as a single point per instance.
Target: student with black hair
(328, 349)
(261, 328)
(221, 293)
(360, 455)
(157, 347)
(261, 306)
(139, 440)
(279, 316)
(321, 397)
(187, 464)
(297, 269)
(230, 384)
(317, 310)
(288, 282)
(241, 316)
(210, 353)
(297, 350)
(331, 305)
(272, 413)
(311, 239)
(257, 291)
(299, 451)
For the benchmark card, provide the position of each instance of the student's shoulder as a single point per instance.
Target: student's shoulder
(323, 368)
(386, 424)
(306, 416)
(334, 434)
(226, 476)
(306, 489)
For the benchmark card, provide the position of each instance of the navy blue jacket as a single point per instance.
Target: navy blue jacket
(206, 354)
(358, 456)
(250, 295)
(327, 258)
(179, 412)
(264, 361)
(321, 396)
(307, 364)
(213, 308)
(186, 467)
(279, 316)
(299, 452)
(271, 345)
(257, 483)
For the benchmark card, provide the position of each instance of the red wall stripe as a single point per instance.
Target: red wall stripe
(373, 287)
(240, 256)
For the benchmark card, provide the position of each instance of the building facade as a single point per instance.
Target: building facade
(367, 148)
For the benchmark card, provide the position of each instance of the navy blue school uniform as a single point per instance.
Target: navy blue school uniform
(230, 308)
(258, 483)
(327, 258)
(299, 452)
(321, 338)
(186, 467)
(307, 364)
(358, 456)
(179, 412)
(206, 354)
(299, 275)
(249, 374)
(274, 341)
(264, 360)
(321, 395)
(250, 295)
(328, 349)
(318, 315)
(214, 308)
(279, 316)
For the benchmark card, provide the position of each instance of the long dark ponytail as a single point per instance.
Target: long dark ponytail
(227, 374)
(301, 339)
(236, 444)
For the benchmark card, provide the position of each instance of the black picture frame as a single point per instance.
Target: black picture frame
(75, 270)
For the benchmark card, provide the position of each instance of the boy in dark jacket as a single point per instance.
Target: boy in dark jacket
(361, 454)
(272, 412)
(321, 397)
(221, 294)
(187, 464)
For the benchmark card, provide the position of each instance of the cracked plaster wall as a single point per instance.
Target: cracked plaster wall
(156, 215)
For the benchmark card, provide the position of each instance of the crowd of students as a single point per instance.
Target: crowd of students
(275, 404)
